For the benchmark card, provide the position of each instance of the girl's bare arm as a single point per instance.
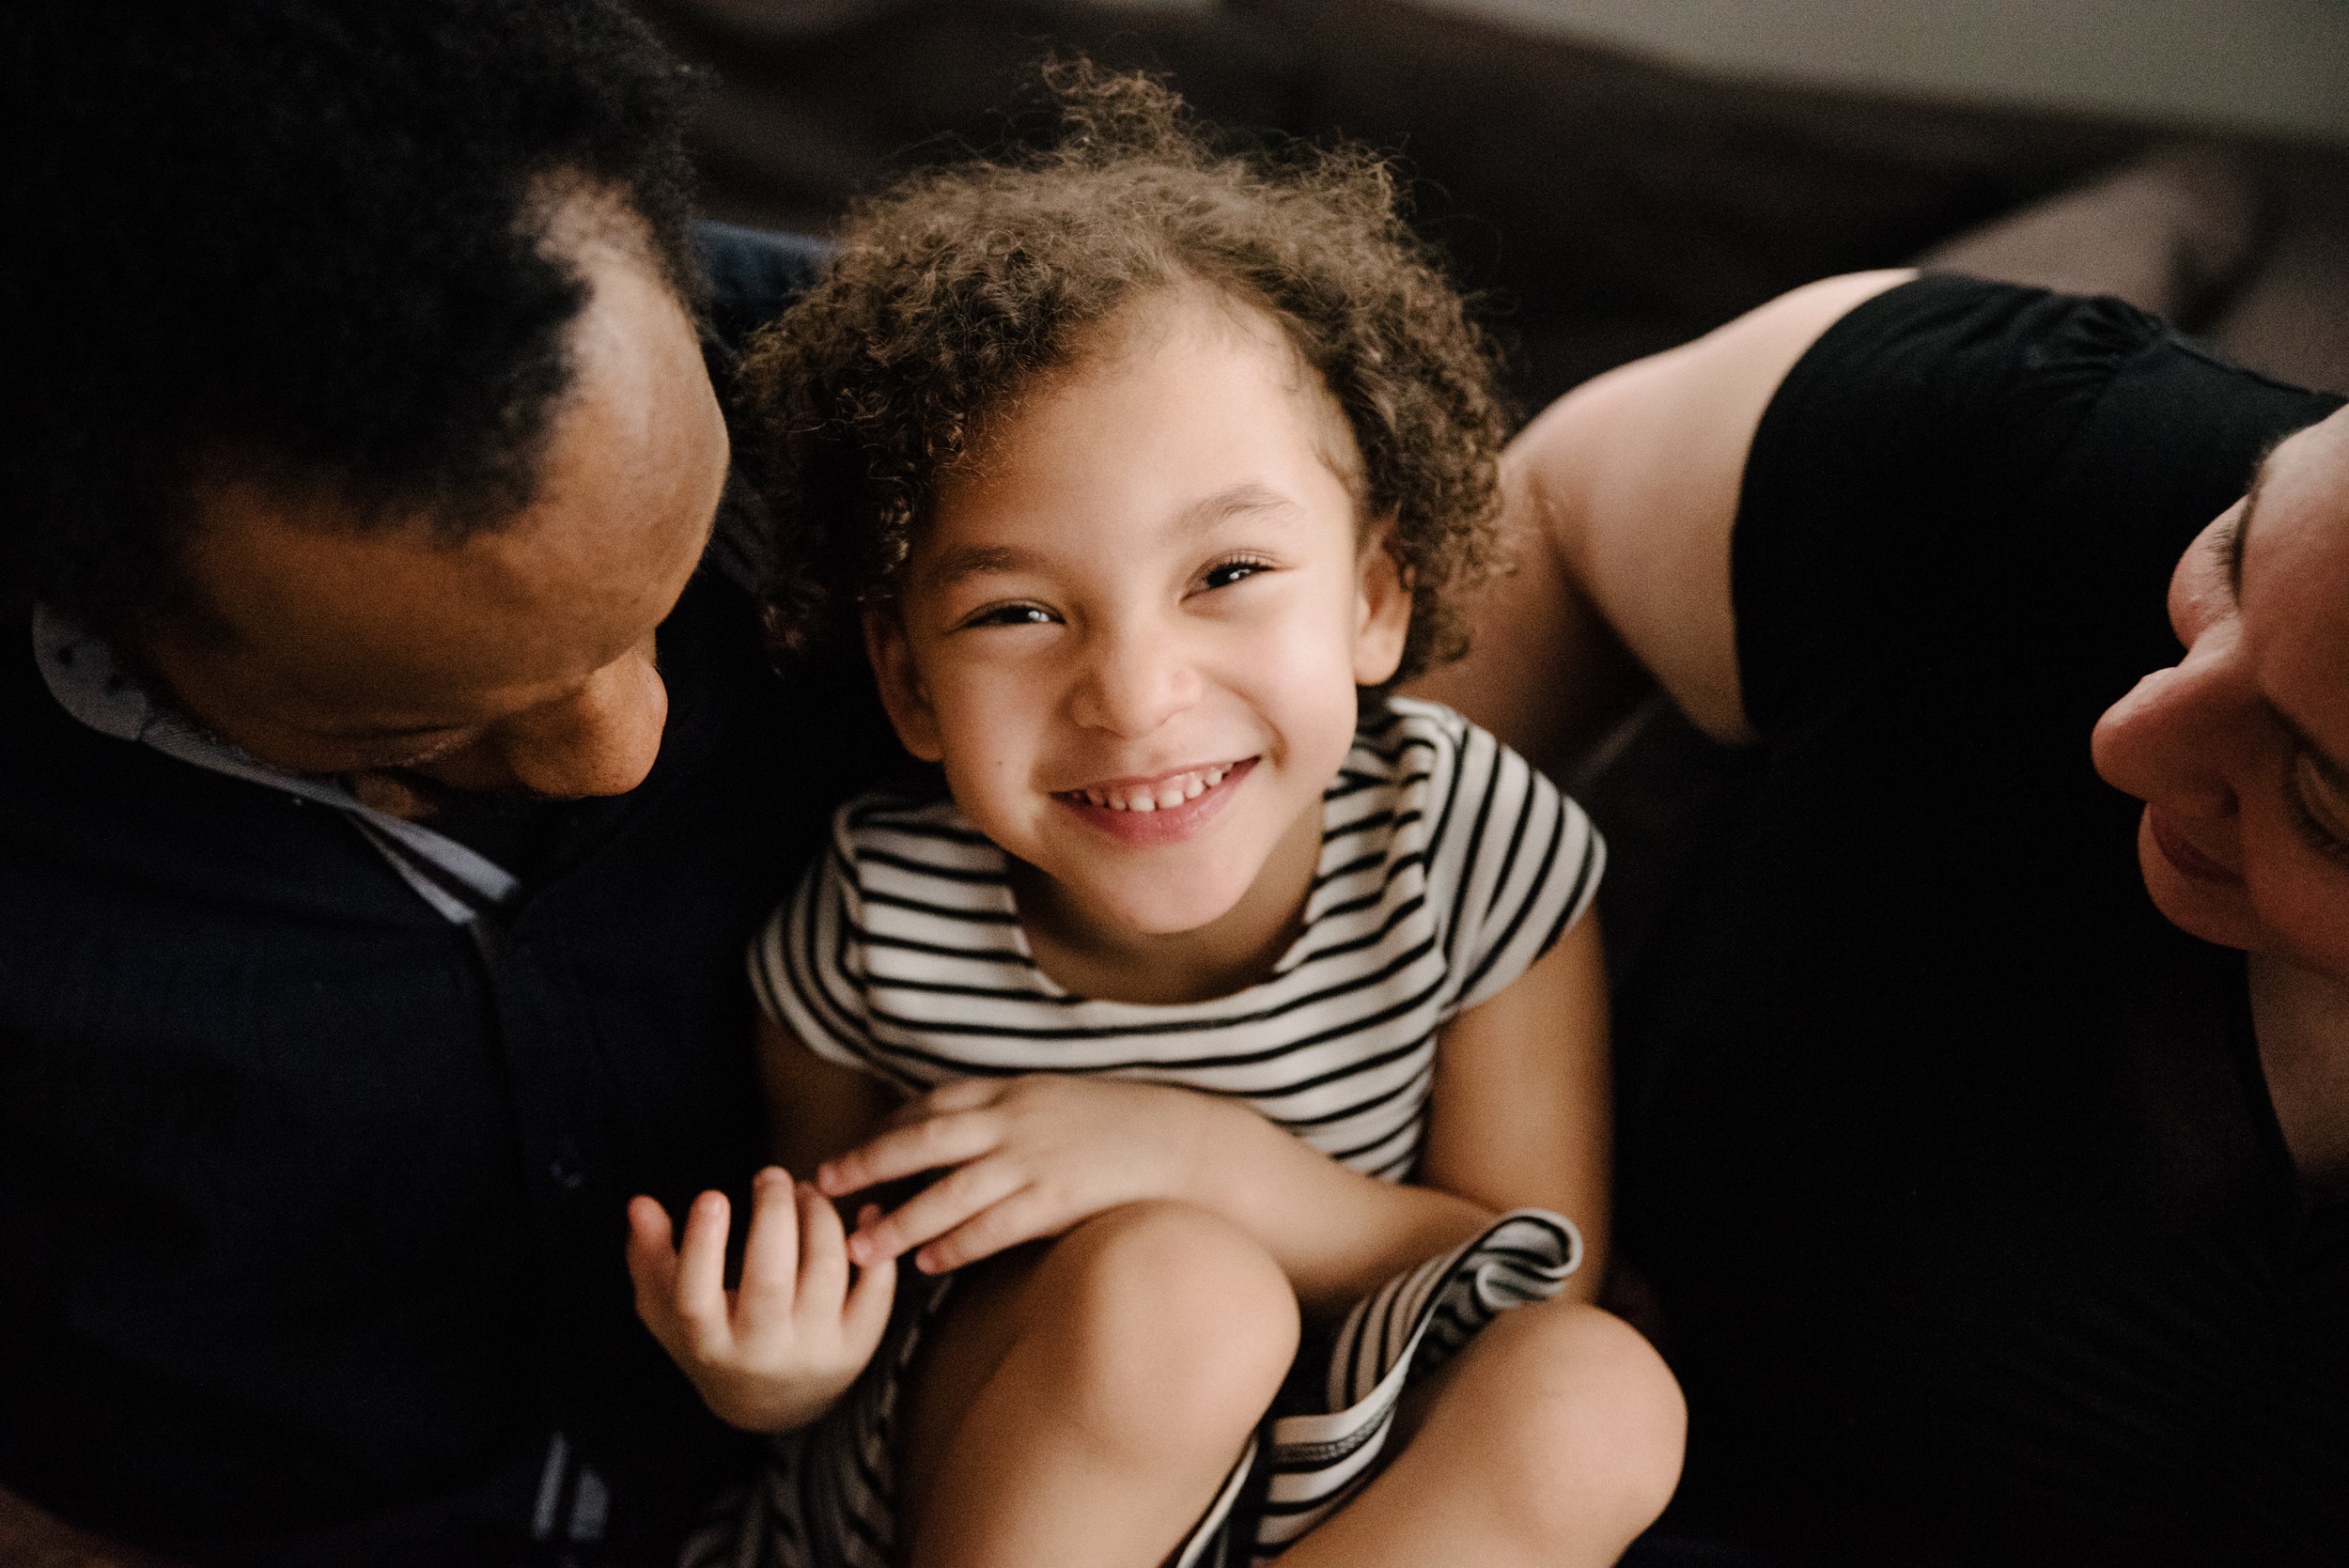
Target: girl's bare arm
(814, 1108)
(1521, 1114)
(1518, 1119)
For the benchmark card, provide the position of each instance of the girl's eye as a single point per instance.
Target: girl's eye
(1224, 573)
(1012, 614)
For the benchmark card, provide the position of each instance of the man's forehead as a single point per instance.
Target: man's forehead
(378, 620)
(394, 616)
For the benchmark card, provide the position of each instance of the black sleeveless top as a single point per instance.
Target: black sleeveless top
(1953, 1160)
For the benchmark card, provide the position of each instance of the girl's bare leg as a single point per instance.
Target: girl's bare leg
(1080, 1401)
(1552, 1441)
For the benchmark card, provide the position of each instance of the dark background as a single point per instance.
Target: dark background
(1601, 207)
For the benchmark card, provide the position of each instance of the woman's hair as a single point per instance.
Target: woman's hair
(956, 290)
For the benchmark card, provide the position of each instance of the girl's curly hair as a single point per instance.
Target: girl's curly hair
(954, 290)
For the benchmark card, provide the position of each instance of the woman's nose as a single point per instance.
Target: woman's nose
(601, 739)
(1134, 681)
(2180, 737)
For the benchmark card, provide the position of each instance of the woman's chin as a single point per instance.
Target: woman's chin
(2215, 915)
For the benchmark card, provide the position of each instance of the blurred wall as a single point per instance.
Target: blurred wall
(1603, 198)
(2278, 66)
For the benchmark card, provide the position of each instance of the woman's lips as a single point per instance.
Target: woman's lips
(1132, 821)
(2190, 863)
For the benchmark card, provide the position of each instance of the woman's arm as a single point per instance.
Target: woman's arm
(1619, 498)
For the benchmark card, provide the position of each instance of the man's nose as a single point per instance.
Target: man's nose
(1134, 680)
(601, 739)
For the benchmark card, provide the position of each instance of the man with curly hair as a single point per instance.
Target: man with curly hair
(392, 777)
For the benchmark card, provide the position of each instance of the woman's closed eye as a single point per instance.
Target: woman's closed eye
(2320, 808)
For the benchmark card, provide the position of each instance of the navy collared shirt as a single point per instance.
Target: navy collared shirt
(312, 1195)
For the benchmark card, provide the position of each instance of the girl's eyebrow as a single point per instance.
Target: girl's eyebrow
(961, 561)
(958, 561)
(1248, 496)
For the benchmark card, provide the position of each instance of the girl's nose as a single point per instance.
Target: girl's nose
(1133, 682)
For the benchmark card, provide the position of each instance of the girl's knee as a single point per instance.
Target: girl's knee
(1174, 1311)
(1601, 1421)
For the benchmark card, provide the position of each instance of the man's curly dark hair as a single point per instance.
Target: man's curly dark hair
(957, 289)
(309, 234)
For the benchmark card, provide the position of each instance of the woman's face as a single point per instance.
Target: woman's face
(2240, 751)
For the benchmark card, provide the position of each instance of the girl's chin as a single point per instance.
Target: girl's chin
(1173, 912)
(1167, 903)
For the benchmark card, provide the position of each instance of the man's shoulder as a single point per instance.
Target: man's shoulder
(753, 274)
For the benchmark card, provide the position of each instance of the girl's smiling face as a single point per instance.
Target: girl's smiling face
(1133, 629)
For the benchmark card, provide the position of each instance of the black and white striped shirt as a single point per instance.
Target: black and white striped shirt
(1448, 865)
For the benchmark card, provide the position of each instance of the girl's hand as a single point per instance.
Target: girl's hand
(772, 1354)
(1032, 1156)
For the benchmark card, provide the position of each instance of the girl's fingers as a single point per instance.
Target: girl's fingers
(652, 1260)
(866, 1312)
(1022, 1215)
(965, 1093)
(938, 1208)
(907, 1151)
(701, 1279)
(823, 1256)
(771, 1252)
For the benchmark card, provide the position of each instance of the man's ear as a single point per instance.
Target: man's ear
(1382, 609)
(901, 689)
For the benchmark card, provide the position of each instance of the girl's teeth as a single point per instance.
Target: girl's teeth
(1174, 792)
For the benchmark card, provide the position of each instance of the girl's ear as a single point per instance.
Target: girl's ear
(901, 689)
(1382, 610)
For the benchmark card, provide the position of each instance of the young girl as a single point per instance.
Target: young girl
(1215, 987)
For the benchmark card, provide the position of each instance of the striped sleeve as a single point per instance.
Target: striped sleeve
(808, 964)
(1529, 865)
